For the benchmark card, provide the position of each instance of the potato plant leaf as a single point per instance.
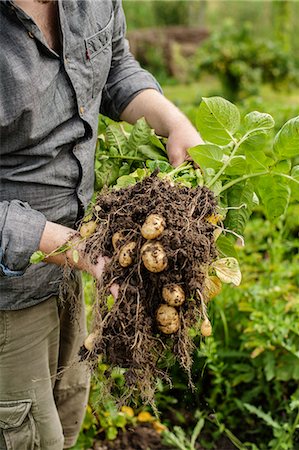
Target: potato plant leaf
(286, 142)
(254, 122)
(140, 135)
(274, 193)
(150, 152)
(225, 246)
(237, 166)
(207, 156)
(239, 197)
(116, 138)
(37, 257)
(228, 270)
(294, 185)
(217, 120)
(257, 141)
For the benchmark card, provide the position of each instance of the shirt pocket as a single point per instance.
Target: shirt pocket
(17, 425)
(99, 53)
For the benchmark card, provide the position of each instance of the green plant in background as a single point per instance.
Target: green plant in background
(247, 373)
(243, 62)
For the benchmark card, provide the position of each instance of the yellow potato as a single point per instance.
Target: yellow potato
(117, 240)
(206, 328)
(173, 295)
(127, 254)
(90, 341)
(167, 319)
(153, 226)
(154, 257)
(88, 228)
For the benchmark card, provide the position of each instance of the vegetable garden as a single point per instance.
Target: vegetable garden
(201, 348)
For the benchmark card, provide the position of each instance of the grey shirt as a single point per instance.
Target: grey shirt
(49, 107)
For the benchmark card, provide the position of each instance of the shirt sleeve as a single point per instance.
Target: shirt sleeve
(126, 78)
(21, 228)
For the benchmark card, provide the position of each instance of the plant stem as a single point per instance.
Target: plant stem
(252, 175)
(178, 169)
(130, 158)
(234, 151)
(240, 179)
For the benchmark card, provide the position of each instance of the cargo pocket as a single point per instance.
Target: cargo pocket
(17, 426)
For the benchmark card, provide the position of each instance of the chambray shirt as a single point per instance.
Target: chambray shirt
(49, 107)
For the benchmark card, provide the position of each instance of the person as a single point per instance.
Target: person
(62, 62)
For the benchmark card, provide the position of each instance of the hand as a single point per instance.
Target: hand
(97, 271)
(180, 139)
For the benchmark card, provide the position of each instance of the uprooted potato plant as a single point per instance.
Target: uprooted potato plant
(160, 239)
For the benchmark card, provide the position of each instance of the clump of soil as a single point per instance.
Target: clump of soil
(142, 437)
(126, 333)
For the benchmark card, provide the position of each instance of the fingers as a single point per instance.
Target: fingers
(114, 289)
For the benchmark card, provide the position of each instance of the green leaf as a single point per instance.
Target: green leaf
(286, 142)
(106, 173)
(150, 152)
(238, 195)
(37, 257)
(267, 418)
(255, 121)
(257, 161)
(75, 255)
(111, 433)
(116, 138)
(207, 156)
(157, 143)
(225, 246)
(120, 420)
(217, 120)
(110, 302)
(294, 185)
(274, 193)
(283, 166)
(237, 166)
(163, 166)
(256, 142)
(125, 181)
(140, 135)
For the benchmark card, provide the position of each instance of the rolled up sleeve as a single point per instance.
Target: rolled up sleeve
(126, 78)
(21, 228)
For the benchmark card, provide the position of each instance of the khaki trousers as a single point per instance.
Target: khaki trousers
(43, 388)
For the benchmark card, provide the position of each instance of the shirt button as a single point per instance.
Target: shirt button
(81, 109)
(30, 34)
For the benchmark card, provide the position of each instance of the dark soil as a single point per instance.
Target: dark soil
(144, 437)
(127, 333)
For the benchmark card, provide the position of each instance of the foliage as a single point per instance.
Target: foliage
(242, 162)
(243, 62)
(247, 373)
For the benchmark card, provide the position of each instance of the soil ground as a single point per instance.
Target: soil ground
(144, 437)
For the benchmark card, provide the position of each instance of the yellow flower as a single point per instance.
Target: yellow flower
(128, 411)
(158, 426)
(145, 416)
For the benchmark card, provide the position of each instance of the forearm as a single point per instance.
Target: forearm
(167, 120)
(162, 115)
